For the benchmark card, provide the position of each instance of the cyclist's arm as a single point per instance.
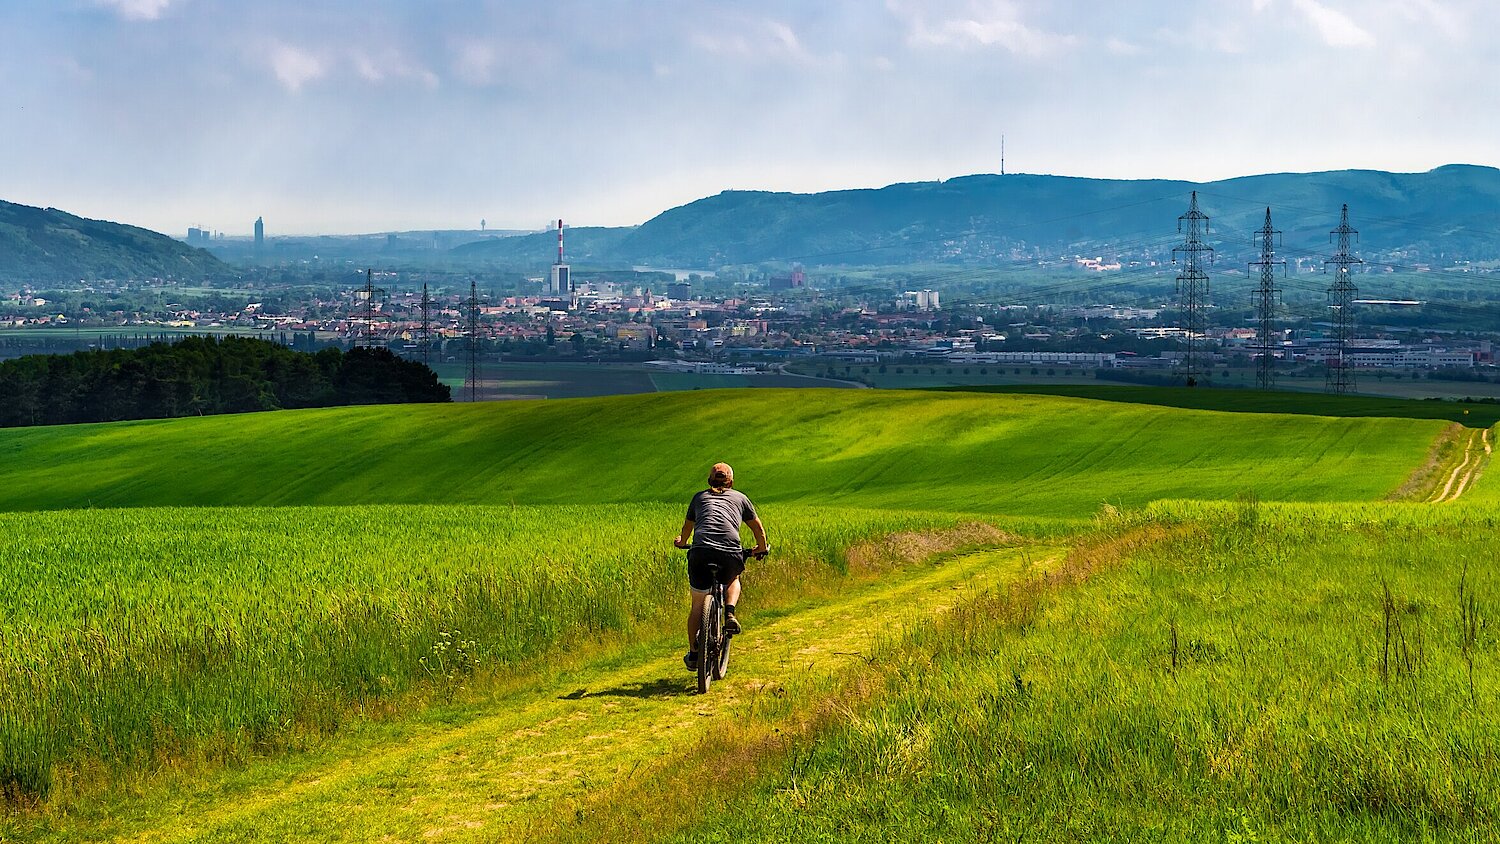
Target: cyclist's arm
(760, 535)
(687, 533)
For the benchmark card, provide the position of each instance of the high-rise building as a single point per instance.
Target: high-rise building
(260, 233)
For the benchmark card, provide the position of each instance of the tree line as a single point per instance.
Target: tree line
(198, 376)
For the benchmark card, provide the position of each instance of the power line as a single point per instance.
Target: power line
(1192, 282)
(471, 332)
(367, 311)
(426, 326)
(1266, 292)
(1341, 295)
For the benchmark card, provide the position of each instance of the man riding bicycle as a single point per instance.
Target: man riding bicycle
(713, 522)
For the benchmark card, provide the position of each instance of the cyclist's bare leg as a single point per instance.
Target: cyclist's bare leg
(732, 593)
(695, 619)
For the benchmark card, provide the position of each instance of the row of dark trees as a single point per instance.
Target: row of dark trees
(203, 375)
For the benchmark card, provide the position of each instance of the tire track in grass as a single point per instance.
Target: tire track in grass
(1476, 452)
(537, 750)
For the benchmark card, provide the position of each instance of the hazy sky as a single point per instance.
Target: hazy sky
(365, 115)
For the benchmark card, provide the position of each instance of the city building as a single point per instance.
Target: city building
(260, 233)
(922, 300)
(798, 278)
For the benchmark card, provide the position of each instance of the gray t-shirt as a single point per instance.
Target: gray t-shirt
(716, 518)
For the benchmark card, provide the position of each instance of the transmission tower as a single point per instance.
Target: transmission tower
(471, 331)
(1192, 283)
(366, 336)
(1266, 339)
(1341, 300)
(426, 326)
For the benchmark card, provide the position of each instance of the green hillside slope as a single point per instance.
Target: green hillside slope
(45, 244)
(925, 451)
(1470, 415)
(1451, 210)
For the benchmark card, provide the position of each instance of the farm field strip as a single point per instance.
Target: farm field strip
(960, 452)
(501, 764)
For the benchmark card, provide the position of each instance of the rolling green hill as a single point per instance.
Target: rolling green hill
(45, 244)
(1452, 210)
(1470, 415)
(956, 452)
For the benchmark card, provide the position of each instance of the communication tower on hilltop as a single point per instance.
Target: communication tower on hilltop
(1192, 282)
(471, 333)
(1266, 339)
(1341, 295)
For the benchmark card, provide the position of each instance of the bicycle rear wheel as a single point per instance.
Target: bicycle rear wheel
(708, 655)
(721, 665)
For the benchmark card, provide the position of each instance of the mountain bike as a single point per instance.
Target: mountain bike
(713, 640)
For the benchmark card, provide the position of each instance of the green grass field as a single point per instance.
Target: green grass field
(956, 452)
(199, 610)
(586, 380)
(134, 636)
(1473, 415)
(1254, 673)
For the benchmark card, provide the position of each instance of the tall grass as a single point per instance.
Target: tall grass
(1254, 673)
(131, 638)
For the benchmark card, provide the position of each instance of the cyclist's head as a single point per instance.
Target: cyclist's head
(721, 476)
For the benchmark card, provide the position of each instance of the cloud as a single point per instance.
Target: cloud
(1334, 27)
(982, 23)
(295, 67)
(753, 39)
(390, 66)
(136, 10)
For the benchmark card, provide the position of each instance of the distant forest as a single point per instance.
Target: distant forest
(199, 376)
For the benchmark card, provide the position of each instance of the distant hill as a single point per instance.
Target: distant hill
(586, 243)
(1452, 211)
(45, 244)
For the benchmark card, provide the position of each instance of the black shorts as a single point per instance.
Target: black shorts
(731, 565)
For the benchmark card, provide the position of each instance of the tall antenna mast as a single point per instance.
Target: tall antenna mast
(1266, 339)
(1341, 295)
(559, 242)
(426, 326)
(1002, 155)
(1192, 283)
(471, 330)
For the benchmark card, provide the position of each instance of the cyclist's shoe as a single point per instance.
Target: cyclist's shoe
(732, 624)
(690, 659)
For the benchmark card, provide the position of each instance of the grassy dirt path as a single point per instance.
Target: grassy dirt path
(1475, 455)
(489, 770)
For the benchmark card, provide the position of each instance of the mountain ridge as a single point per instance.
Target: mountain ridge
(1451, 209)
(49, 245)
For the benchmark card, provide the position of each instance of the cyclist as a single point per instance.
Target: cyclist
(713, 522)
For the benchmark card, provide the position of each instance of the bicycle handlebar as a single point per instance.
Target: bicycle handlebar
(747, 553)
